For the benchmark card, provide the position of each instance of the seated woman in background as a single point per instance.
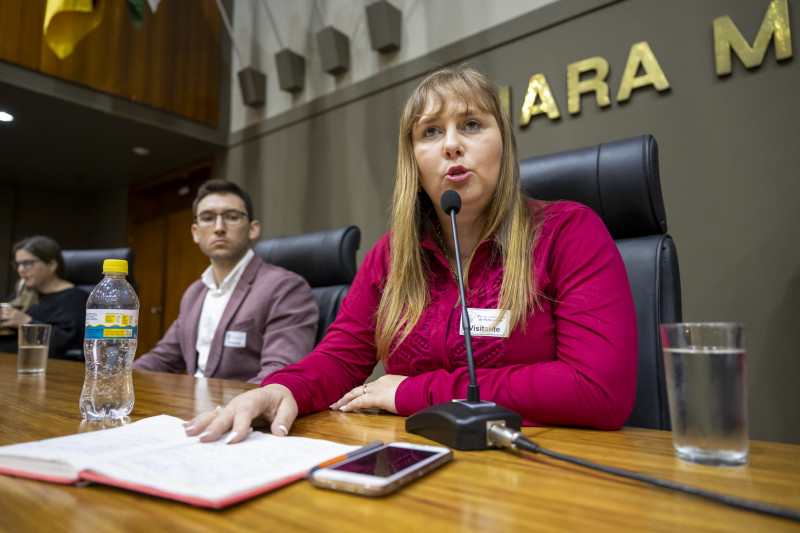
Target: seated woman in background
(44, 296)
(566, 353)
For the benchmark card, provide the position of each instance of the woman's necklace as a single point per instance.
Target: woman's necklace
(444, 251)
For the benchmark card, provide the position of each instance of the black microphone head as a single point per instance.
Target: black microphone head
(451, 201)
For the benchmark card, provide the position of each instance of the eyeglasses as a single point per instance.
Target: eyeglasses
(231, 217)
(28, 263)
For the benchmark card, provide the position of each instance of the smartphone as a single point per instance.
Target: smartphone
(383, 470)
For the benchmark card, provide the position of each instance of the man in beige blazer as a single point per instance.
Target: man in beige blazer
(244, 318)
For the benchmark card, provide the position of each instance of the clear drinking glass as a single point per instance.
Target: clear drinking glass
(706, 373)
(33, 346)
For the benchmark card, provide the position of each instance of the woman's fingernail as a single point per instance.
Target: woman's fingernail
(206, 433)
(230, 437)
(332, 406)
(188, 428)
(283, 428)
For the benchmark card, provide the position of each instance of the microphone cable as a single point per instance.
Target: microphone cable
(505, 437)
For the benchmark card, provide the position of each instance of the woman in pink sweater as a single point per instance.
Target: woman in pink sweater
(564, 349)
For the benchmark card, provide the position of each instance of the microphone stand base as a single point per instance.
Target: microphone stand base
(461, 424)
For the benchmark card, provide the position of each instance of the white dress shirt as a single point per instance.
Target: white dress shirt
(213, 306)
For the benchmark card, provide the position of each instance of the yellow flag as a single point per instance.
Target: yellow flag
(66, 22)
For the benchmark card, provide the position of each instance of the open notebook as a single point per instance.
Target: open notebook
(154, 456)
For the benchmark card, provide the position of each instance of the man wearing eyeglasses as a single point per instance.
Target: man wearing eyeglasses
(243, 319)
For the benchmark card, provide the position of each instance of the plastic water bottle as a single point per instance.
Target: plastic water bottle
(112, 319)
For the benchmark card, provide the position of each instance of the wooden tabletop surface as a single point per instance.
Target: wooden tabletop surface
(492, 491)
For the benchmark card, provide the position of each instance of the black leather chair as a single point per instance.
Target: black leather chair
(326, 259)
(620, 181)
(84, 268)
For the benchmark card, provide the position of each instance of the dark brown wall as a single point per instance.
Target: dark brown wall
(172, 62)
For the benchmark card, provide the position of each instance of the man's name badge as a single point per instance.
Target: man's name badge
(235, 339)
(482, 323)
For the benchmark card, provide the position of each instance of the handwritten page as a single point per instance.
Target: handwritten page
(82, 448)
(213, 470)
(156, 453)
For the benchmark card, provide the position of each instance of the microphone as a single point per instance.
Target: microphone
(462, 424)
(451, 205)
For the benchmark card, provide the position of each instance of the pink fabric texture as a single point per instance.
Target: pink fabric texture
(573, 364)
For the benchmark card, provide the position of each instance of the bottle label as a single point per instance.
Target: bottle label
(111, 323)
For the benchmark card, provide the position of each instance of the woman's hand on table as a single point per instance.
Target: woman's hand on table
(273, 404)
(379, 393)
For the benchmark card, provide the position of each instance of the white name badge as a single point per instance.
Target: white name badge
(235, 339)
(482, 323)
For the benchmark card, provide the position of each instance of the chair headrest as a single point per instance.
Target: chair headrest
(84, 268)
(323, 258)
(619, 180)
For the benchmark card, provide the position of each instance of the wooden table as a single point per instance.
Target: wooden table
(491, 491)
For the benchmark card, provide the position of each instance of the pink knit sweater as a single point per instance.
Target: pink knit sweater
(574, 364)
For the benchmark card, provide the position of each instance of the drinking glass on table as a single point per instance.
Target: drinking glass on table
(706, 374)
(33, 348)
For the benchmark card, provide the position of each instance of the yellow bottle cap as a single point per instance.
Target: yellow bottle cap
(115, 265)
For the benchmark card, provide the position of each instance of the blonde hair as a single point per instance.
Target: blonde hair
(508, 220)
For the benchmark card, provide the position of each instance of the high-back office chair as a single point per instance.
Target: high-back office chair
(84, 268)
(620, 181)
(326, 259)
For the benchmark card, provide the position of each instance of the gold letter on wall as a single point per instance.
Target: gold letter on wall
(653, 75)
(538, 88)
(727, 36)
(576, 87)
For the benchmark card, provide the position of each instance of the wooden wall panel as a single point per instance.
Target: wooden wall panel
(172, 62)
(167, 259)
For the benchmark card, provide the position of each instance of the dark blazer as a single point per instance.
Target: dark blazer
(272, 306)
